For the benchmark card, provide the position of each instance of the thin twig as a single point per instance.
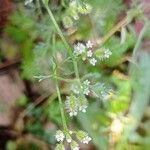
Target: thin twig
(30, 107)
(139, 40)
(9, 64)
(116, 28)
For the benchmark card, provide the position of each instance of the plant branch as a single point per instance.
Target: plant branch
(64, 40)
(60, 103)
(116, 28)
(139, 40)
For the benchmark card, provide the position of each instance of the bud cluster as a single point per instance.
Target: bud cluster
(85, 51)
(81, 136)
(73, 11)
(75, 104)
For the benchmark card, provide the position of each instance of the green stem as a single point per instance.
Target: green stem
(55, 73)
(139, 40)
(116, 28)
(137, 45)
(64, 41)
(60, 104)
(58, 29)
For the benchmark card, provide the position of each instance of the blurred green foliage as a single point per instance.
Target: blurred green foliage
(37, 41)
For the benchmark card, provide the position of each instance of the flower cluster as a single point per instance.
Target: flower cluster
(77, 101)
(60, 146)
(71, 105)
(85, 50)
(62, 135)
(103, 53)
(59, 136)
(79, 48)
(73, 11)
(83, 137)
(86, 84)
(75, 104)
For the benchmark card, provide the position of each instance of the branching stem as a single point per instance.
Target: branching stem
(116, 28)
(64, 41)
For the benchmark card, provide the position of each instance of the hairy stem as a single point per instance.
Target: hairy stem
(64, 41)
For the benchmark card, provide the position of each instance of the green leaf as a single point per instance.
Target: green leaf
(141, 85)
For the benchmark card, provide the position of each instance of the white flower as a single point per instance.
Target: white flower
(89, 53)
(107, 53)
(72, 113)
(79, 48)
(86, 9)
(93, 61)
(116, 126)
(70, 132)
(60, 147)
(83, 108)
(89, 44)
(75, 89)
(103, 53)
(69, 140)
(27, 2)
(75, 17)
(83, 104)
(86, 91)
(86, 140)
(86, 82)
(59, 136)
(83, 137)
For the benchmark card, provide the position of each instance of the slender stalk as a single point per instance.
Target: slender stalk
(64, 41)
(58, 29)
(122, 23)
(60, 103)
(55, 72)
(30, 107)
(139, 40)
(137, 45)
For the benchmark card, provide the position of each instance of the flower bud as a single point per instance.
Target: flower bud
(60, 147)
(83, 137)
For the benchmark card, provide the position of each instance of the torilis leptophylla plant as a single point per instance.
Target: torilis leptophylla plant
(77, 100)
